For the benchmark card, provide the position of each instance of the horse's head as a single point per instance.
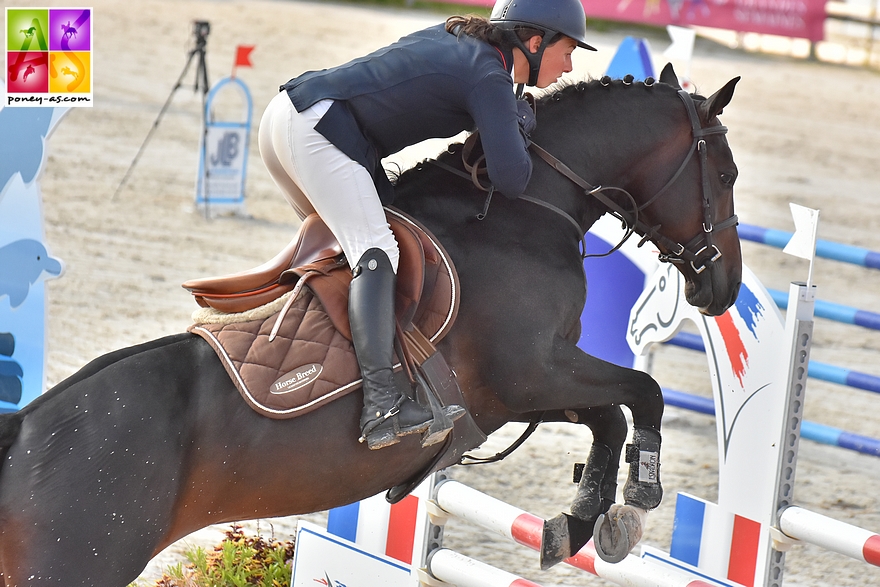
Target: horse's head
(691, 216)
(663, 165)
(666, 153)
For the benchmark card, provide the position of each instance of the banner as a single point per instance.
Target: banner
(789, 18)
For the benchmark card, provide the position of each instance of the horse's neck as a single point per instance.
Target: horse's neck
(609, 136)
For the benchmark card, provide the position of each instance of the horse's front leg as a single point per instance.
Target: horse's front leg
(567, 533)
(592, 390)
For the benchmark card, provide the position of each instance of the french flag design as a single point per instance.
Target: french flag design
(748, 309)
(380, 527)
(720, 543)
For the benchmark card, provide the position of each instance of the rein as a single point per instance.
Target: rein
(680, 253)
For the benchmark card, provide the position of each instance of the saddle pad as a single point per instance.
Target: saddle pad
(306, 365)
(311, 360)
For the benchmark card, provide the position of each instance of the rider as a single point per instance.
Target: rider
(323, 136)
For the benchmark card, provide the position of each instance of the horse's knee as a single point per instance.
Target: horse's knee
(608, 425)
(647, 404)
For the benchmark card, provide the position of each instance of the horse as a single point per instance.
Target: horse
(147, 444)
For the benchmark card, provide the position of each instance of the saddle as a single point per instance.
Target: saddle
(427, 288)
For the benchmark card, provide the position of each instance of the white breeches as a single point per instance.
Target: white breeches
(315, 176)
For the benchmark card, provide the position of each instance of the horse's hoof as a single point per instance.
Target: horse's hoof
(616, 533)
(563, 537)
(613, 546)
(555, 543)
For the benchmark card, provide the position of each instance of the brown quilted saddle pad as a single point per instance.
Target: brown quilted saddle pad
(293, 354)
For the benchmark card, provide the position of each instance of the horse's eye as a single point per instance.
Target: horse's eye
(728, 178)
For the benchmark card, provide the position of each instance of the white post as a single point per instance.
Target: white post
(799, 330)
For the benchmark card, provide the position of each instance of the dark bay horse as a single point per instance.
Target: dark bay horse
(147, 444)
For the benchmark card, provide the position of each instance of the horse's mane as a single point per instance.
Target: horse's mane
(561, 89)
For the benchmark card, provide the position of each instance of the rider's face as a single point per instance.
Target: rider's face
(556, 61)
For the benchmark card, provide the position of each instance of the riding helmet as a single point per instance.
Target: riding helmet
(551, 16)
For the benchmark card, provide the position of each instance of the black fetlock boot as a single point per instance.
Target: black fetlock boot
(564, 535)
(597, 488)
(387, 414)
(643, 487)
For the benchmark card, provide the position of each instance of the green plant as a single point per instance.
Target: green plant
(238, 561)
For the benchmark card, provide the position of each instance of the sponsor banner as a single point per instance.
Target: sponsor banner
(788, 18)
(224, 150)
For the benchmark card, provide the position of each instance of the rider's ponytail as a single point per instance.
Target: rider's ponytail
(479, 27)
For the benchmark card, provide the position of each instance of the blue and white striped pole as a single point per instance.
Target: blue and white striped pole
(816, 370)
(810, 430)
(824, 249)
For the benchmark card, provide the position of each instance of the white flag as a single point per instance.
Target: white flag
(682, 46)
(806, 223)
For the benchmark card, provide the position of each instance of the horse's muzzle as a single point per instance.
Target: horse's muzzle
(712, 293)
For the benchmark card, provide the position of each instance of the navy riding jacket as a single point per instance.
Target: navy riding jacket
(426, 85)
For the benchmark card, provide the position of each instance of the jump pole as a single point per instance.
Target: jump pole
(452, 498)
(830, 534)
(454, 568)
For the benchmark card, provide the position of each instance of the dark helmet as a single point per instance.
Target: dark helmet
(551, 16)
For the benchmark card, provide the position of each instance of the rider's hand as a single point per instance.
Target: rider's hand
(525, 116)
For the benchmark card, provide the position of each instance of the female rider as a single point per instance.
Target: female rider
(323, 136)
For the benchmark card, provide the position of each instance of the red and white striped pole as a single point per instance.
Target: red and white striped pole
(514, 524)
(462, 571)
(830, 534)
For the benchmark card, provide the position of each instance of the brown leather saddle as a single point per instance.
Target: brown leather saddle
(427, 288)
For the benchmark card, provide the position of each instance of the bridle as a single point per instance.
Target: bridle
(700, 251)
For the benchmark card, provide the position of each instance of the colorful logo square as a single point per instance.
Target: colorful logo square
(69, 72)
(28, 72)
(27, 29)
(70, 29)
(48, 57)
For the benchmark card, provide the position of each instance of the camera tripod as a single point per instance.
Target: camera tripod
(201, 30)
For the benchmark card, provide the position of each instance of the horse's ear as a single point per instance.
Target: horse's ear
(717, 101)
(668, 76)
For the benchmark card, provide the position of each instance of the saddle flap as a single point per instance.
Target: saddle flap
(410, 270)
(330, 280)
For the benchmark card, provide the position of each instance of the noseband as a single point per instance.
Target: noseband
(698, 254)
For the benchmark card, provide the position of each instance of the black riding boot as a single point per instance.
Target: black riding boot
(387, 413)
